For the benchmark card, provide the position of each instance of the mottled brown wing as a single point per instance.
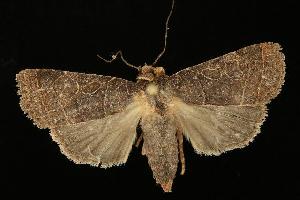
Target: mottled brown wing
(220, 104)
(52, 98)
(251, 75)
(93, 118)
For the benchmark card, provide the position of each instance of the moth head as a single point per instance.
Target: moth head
(150, 73)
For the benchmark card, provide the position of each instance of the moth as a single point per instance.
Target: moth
(218, 105)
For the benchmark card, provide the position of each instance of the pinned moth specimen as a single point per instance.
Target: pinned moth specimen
(218, 105)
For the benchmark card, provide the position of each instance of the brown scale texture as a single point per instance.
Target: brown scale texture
(53, 97)
(161, 148)
(251, 75)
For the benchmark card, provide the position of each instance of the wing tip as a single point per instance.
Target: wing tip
(276, 59)
(25, 83)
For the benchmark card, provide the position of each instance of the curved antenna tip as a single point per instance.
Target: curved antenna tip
(166, 34)
(114, 56)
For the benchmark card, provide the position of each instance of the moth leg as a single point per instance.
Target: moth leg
(181, 153)
(138, 141)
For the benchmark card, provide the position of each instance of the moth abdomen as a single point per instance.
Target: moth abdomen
(161, 147)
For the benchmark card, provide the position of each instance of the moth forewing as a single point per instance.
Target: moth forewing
(249, 76)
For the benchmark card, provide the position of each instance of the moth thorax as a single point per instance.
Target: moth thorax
(152, 89)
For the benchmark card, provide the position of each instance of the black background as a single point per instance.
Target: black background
(68, 35)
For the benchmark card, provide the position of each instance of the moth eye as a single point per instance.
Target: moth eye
(147, 69)
(159, 71)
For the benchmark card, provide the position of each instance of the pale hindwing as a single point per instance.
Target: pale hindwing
(213, 130)
(105, 142)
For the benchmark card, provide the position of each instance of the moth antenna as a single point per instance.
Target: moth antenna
(113, 57)
(166, 34)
